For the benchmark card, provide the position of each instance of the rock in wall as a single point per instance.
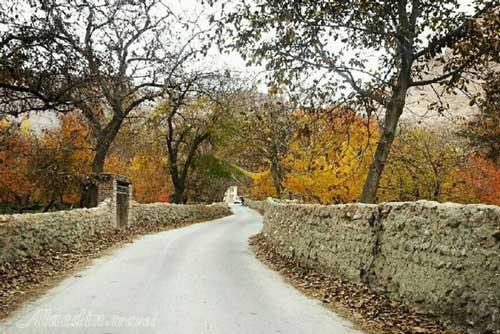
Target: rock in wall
(440, 257)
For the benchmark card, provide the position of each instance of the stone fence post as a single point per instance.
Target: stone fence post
(117, 188)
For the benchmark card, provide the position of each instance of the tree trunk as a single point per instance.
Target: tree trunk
(179, 177)
(178, 180)
(393, 113)
(178, 197)
(395, 107)
(276, 174)
(276, 171)
(89, 189)
(436, 196)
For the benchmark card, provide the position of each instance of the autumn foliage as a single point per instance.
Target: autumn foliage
(44, 169)
(329, 157)
(330, 152)
(482, 178)
(325, 160)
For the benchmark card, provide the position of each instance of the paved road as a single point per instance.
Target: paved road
(198, 279)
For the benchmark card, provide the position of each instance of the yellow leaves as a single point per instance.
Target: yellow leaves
(327, 159)
(4, 124)
(262, 185)
(137, 164)
(329, 163)
(25, 127)
(329, 156)
(425, 165)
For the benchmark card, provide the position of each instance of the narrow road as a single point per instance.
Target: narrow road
(198, 279)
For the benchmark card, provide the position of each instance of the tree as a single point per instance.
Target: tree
(35, 72)
(210, 178)
(482, 177)
(329, 156)
(380, 50)
(268, 126)
(60, 159)
(262, 185)
(426, 164)
(105, 59)
(15, 185)
(483, 130)
(42, 169)
(189, 118)
(140, 153)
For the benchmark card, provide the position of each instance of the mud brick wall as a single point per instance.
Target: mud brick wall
(29, 235)
(439, 257)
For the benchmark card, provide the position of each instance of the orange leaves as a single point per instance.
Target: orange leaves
(147, 170)
(164, 197)
(15, 183)
(139, 153)
(483, 178)
(44, 167)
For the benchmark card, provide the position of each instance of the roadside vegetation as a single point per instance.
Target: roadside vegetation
(130, 88)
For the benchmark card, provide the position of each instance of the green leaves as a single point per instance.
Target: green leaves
(211, 166)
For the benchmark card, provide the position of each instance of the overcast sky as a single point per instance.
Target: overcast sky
(194, 9)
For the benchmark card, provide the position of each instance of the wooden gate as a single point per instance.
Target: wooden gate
(122, 193)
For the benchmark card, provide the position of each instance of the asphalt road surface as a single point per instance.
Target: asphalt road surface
(199, 279)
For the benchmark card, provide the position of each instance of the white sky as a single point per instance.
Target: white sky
(232, 60)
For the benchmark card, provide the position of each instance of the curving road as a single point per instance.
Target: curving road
(198, 279)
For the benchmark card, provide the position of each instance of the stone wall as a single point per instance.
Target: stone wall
(157, 213)
(443, 258)
(29, 235)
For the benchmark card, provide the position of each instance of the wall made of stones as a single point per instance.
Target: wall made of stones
(443, 258)
(161, 213)
(29, 235)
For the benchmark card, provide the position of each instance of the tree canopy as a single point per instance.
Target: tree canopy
(369, 52)
(130, 88)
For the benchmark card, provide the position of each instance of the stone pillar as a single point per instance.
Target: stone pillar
(118, 189)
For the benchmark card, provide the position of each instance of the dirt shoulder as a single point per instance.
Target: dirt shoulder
(372, 312)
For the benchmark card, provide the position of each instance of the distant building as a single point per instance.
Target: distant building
(231, 195)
